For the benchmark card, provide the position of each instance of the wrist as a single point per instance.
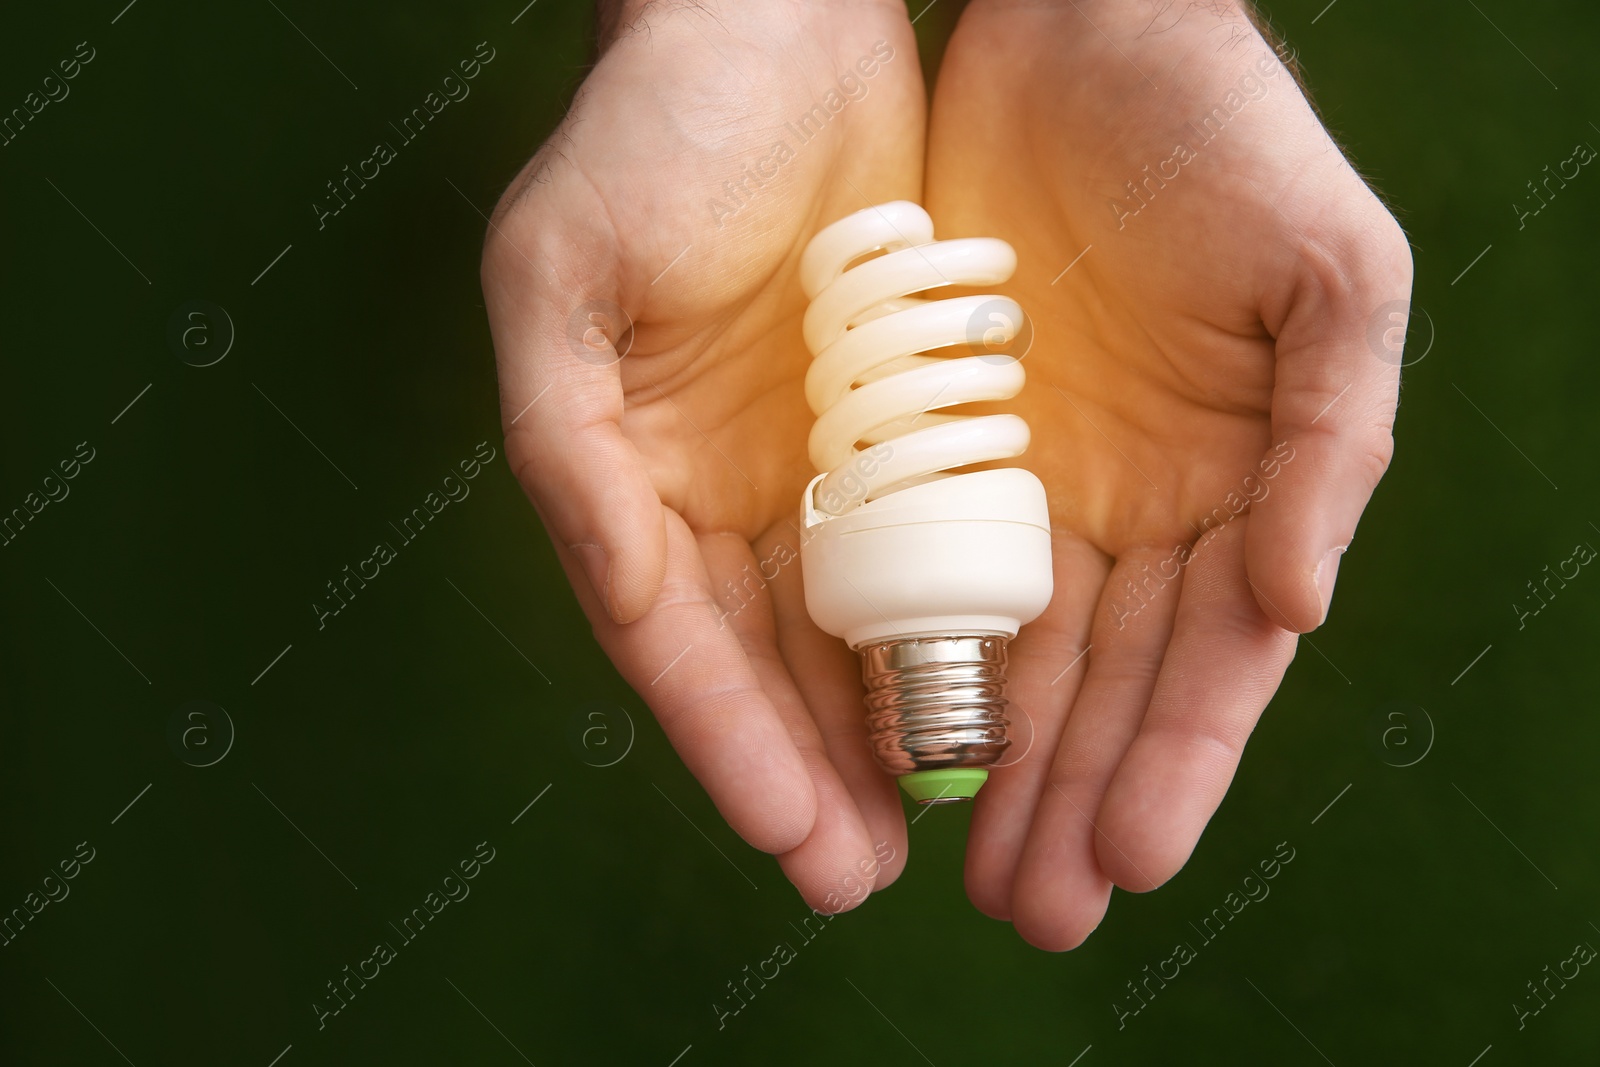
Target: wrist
(614, 17)
(617, 18)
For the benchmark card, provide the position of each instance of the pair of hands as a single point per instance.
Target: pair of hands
(1220, 327)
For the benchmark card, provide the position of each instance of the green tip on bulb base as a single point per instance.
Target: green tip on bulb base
(946, 786)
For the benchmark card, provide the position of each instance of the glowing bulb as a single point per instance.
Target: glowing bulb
(927, 571)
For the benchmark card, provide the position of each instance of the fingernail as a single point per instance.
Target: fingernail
(598, 566)
(1327, 572)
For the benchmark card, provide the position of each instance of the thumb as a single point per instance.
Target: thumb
(1333, 405)
(558, 350)
(589, 486)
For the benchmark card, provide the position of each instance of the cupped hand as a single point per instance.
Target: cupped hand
(640, 278)
(1209, 408)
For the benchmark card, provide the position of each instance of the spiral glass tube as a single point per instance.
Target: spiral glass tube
(924, 567)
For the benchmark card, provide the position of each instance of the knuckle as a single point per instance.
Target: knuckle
(1375, 455)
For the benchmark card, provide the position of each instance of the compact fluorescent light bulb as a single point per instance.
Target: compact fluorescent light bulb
(927, 572)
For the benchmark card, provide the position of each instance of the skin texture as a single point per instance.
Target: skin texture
(1225, 324)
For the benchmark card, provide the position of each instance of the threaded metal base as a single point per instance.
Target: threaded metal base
(936, 702)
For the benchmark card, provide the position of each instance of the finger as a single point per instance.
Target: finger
(828, 676)
(832, 867)
(1224, 663)
(561, 397)
(1333, 406)
(696, 677)
(1042, 679)
(1061, 893)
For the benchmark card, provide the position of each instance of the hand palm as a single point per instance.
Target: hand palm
(1150, 383)
(708, 247)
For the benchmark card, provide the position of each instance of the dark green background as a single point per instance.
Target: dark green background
(414, 727)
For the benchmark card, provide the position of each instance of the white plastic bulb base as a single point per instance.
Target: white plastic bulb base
(929, 583)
